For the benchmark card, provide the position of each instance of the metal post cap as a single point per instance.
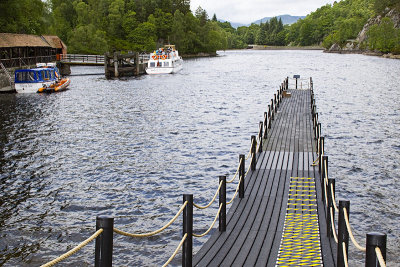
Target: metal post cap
(376, 239)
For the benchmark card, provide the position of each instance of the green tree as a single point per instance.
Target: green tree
(86, 39)
(384, 37)
(143, 38)
(23, 16)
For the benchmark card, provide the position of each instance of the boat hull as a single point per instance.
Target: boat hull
(28, 88)
(57, 87)
(164, 70)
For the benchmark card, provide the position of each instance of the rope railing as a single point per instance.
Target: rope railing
(212, 225)
(74, 250)
(346, 218)
(237, 188)
(212, 201)
(236, 173)
(248, 155)
(333, 199)
(153, 232)
(380, 257)
(333, 226)
(176, 250)
(346, 264)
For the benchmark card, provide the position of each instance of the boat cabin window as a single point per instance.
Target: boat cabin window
(45, 74)
(166, 64)
(152, 64)
(26, 76)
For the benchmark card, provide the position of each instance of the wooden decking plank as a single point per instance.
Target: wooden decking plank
(263, 224)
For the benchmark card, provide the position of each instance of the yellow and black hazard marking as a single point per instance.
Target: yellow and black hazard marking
(300, 244)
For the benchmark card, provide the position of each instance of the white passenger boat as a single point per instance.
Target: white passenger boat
(164, 61)
(44, 78)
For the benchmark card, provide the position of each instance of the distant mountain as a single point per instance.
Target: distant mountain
(286, 19)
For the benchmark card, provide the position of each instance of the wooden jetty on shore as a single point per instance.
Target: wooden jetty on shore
(284, 209)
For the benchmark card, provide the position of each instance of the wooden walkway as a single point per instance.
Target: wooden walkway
(281, 220)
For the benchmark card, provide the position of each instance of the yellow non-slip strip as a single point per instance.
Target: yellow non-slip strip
(300, 243)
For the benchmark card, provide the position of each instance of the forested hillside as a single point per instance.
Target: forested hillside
(97, 26)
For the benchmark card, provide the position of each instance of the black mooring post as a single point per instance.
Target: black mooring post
(222, 201)
(269, 116)
(242, 162)
(322, 161)
(253, 152)
(265, 125)
(260, 137)
(187, 248)
(375, 239)
(312, 101)
(276, 109)
(343, 234)
(329, 220)
(272, 109)
(322, 145)
(104, 242)
(278, 98)
(314, 109)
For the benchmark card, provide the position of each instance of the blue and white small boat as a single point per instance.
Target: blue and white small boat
(36, 79)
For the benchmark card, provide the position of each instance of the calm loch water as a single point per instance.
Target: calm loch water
(130, 148)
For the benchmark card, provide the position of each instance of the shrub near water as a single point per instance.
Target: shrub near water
(384, 37)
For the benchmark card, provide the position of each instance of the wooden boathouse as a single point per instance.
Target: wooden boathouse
(283, 212)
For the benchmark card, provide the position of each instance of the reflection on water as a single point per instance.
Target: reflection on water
(130, 149)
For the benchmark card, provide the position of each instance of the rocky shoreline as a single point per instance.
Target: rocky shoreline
(363, 52)
(358, 45)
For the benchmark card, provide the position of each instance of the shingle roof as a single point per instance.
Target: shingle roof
(21, 40)
(54, 41)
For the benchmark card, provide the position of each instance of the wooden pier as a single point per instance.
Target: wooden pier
(118, 65)
(115, 65)
(281, 219)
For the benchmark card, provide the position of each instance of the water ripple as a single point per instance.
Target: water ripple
(130, 149)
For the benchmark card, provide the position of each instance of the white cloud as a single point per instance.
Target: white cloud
(251, 10)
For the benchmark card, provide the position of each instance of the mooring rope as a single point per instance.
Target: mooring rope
(236, 191)
(156, 231)
(380, 257)
(315, 162)
(346, 218)
(176, 251)
(212, 225)
(240, 180)
(346, 264)
(326, 194)
(251, 146)
(326, 172)
(236, 173)
(333, 226)
(212, 201)
(333, 199)
(74, 250)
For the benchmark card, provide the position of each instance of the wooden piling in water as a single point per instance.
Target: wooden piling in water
(120, 65)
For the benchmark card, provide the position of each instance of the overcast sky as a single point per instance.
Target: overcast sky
(247, 11)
